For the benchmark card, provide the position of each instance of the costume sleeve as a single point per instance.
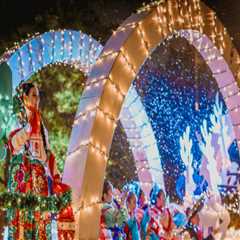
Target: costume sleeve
(133, 227)
(52, 164)
(121, 216)
(144, 222)
(115, 216)
(19, 138)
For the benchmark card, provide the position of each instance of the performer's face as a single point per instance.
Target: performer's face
(32, 99)
(132, 204)
(161, 200)
(108, 197)
(142, 199)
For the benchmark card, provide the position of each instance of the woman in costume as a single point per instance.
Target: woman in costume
(132, 227)
(33, 171)
(161, 224)
(113, 216)
(142, 214)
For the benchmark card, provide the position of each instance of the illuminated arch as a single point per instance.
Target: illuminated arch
(142, 140)
(66, 46)
(110, 80)
(76, 48)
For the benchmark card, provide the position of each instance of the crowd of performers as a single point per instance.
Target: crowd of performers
(133, 218)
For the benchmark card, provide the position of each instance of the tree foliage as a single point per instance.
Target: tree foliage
(60, 91)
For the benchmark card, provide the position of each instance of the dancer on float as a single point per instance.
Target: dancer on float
(161, 224)
(142, 213)
(132, 227)
(113, 216)
(33, 171)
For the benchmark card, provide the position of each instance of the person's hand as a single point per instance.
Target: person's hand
(57, 178)
(168, 235)
(186, 236)
(165, 219)
(123, 198)
(30, 115)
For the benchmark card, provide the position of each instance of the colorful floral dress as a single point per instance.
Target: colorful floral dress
(33, 171)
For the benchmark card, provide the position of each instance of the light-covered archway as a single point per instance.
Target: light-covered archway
(65, 46)
(142, 140)
(81, 51)
(111, 78)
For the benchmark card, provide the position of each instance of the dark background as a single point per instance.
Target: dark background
(95, 17)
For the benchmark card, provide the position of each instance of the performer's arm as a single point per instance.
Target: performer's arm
(52, 164)
(19, 138)
(166, 221)
(145, 221)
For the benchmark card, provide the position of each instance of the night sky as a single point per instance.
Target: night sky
(107, 13)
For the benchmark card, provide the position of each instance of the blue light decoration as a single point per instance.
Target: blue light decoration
(177, 90)
(66, 46)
